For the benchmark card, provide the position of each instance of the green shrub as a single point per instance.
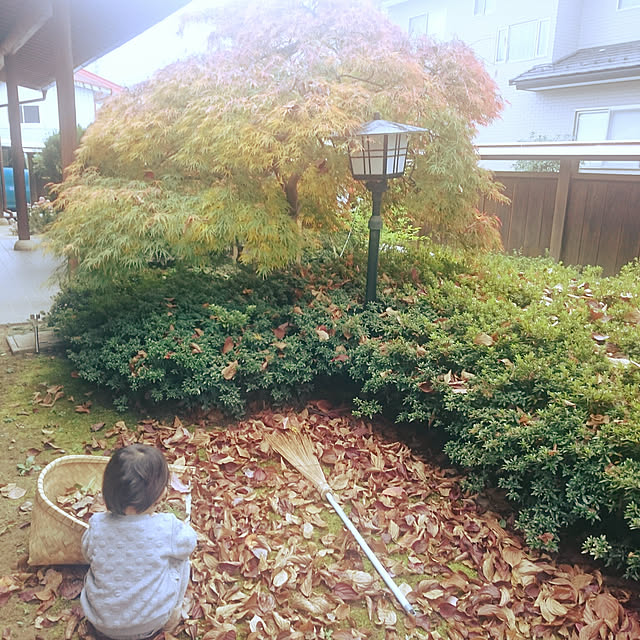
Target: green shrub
(517, 362)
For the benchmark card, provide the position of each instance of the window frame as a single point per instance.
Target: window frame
(619, 8)
(23, 119)
(536, 43)
(606, 166)
(607, 110)
(415, 34)
(483, 11)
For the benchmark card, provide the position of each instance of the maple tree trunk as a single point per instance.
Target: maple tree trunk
(291, 193)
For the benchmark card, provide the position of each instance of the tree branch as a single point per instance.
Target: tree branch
(348, 75)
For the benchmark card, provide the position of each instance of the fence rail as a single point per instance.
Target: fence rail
(595, 220)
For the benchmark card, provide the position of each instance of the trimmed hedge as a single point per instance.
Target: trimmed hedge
(517, 361)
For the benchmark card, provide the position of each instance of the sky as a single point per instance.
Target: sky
(154, 49)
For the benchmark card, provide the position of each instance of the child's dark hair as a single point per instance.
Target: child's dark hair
(136, 476)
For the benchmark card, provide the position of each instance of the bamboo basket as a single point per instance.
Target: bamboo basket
(55, 536)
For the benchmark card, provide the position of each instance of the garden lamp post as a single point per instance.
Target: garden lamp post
(377, 152)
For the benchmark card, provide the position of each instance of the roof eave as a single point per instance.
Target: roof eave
(560, 80)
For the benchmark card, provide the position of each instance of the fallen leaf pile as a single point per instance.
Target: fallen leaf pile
(273, 560)
(45, 586)
(81, 501)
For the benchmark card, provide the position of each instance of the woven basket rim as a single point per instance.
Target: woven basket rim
(59, 462)
(62, 460)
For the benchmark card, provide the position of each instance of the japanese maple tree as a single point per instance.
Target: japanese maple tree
(244, 148)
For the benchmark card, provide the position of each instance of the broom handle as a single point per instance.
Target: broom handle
(374, 561)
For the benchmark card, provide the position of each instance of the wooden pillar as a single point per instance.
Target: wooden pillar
(64, 81)
(17, 154)
(568, 167)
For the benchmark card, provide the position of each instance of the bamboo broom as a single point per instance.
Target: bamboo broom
(297, 449)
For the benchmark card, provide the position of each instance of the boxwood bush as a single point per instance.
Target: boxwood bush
(528, 369)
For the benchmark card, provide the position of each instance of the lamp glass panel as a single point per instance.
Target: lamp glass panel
(396, 153)
(374, 150)
(367, 156)
(356, 156)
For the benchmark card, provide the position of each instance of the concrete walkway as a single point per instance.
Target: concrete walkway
(25, 285)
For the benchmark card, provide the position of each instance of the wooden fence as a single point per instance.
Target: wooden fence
(592, 219)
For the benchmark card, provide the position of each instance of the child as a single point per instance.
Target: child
(139, 559)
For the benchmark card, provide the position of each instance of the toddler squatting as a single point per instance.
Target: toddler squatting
(139, 559)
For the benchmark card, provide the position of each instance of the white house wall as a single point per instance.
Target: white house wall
(554, 111)
(603, 23)
(574, 24)
(568, 26)
(34, 135)
(480, 32)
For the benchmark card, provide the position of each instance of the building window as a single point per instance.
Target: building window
(615, 123)
(30, 113)
(628, 4)
(432, 24)
(418, 26)
(484, 7)
(523, 41)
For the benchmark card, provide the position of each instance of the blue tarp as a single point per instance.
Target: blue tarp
(10, 187)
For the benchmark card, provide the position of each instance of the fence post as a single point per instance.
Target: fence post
(568, 167)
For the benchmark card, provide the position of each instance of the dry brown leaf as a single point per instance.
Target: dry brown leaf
(632, 316)
(512, 555)
(360, 579)
(85, 407)
(591, 631)
(280, 331)
(502, 613)
(345, 592)
(483, 339)
(282, 623)
(228, 345)
(315, 605)
(607, 608)
(306, 587)
(386, 616)
(13, 491)
(280, 578)
(550, 608)
(230, 370)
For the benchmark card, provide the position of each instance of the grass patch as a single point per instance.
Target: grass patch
(459, 566)
(61, 423)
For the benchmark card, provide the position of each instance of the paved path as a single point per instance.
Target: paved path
(24, 280)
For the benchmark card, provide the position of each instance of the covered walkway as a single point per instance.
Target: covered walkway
(25, 286)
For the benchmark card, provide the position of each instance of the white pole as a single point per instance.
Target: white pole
(374, 561)
(187, 507)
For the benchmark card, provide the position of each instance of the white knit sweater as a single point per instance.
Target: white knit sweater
(137, 566)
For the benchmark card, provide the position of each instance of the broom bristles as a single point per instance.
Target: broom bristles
(297, 450)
